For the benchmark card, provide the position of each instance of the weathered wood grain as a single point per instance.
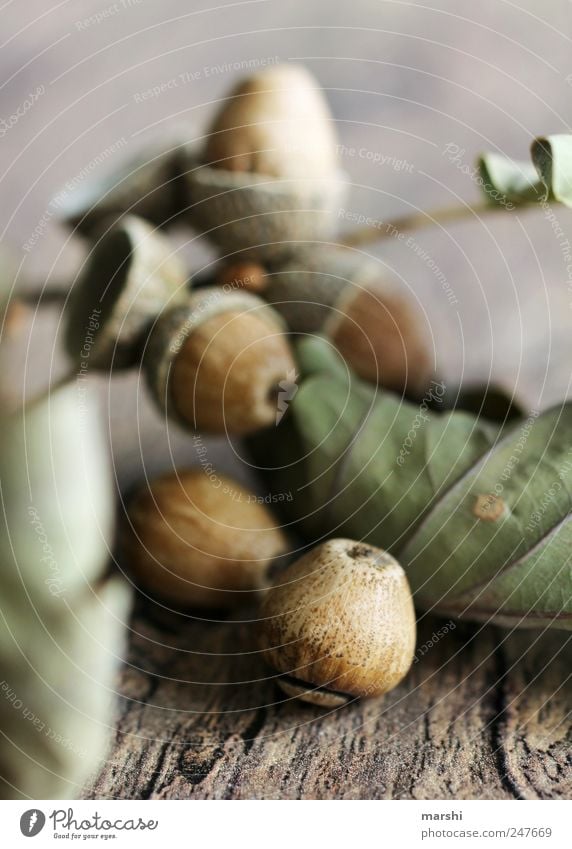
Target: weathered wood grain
(480, 716)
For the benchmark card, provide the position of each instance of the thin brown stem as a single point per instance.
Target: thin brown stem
(44, 297)
(386, 230)
(368, 235)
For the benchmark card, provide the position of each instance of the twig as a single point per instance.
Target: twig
(417, 221)
(357, 238)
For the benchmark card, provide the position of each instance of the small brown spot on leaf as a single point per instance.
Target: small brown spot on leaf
(489, 508)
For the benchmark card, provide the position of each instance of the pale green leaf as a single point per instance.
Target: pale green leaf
(552, 158)
(61, 622)
(366, 464)
(508, 182)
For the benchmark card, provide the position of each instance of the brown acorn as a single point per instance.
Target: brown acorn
(277, 123)
(378, 332)
(340, 624)
(131, 274)
(218, 362)
(338, 293)
(198, 540)
(269, 177)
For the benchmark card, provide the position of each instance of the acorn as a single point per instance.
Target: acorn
(269, 176)
(218, 362)
(130, 275)
(340, 624)
(276, 123)
(338, 293)
(201, 540)
(148, 185)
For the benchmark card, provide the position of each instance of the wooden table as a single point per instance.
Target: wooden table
(484, 713)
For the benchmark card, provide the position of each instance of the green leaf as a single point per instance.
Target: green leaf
(365, 464)
(317, 354)
(552, 158)
(507, 182)
(510, 567)
(61, 621)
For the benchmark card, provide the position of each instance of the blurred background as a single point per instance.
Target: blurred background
(407, 83)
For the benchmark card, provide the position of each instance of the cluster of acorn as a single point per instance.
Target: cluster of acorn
(338, 623)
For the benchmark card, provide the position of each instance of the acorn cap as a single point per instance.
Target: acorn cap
(260, 216)
(130, 275)
(306, 287)
(201, 540)
(269, 178)
(275, 122)
(340, 625)
(217, 362)
(149, 185)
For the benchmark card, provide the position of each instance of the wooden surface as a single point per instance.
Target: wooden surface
(484, 713)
